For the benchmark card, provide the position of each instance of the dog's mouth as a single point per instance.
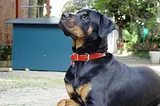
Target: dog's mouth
(66, 26)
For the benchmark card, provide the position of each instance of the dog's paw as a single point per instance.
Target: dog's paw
(67, 102)
(62, 102)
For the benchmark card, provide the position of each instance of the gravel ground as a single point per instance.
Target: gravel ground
(21, 88)
(31, 91)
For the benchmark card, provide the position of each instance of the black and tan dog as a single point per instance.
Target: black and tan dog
(95, 78)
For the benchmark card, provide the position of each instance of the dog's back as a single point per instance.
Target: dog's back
(133, 86)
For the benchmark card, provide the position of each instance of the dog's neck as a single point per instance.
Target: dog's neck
(81, 46)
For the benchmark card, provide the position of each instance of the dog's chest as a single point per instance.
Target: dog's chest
(78, 83)
(81, 93)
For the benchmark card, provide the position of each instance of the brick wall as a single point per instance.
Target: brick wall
(24, 11)
(7, 12)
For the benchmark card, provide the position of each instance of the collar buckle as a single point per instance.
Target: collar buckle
(76, 56)
(87, 56)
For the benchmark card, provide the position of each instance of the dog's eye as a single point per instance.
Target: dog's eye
(85, 17)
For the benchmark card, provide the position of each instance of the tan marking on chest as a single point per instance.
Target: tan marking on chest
(83, 91)
(69, 89)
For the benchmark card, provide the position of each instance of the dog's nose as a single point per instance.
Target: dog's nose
(65, 15)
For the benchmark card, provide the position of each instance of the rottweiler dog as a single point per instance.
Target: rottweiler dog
(95, 78)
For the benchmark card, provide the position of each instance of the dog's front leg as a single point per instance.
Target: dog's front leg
(67, 102)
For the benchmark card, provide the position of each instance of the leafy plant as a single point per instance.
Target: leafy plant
(127, 11)
(75, 5)
(142, 54)
(128, 37)
(5, 52)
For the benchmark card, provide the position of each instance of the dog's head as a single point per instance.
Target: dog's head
(88, 29)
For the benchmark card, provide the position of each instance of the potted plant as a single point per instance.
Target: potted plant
(154, 57)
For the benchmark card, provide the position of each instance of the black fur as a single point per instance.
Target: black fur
(113, 83)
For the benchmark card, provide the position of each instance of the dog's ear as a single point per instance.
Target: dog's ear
(105, 26)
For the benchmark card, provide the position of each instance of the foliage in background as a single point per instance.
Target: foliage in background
(79, 4)
(68, 7)
(126, 11)
(75, 5)
(132, 17)
(5, 52)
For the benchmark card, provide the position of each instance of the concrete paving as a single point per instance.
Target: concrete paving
(136, 61)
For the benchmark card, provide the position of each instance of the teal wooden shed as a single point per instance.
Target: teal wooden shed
(39, 44)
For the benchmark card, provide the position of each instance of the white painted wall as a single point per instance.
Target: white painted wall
(112, 41)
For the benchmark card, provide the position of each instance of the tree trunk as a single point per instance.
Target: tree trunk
(32, 13)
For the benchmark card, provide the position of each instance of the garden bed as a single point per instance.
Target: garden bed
(6, 63)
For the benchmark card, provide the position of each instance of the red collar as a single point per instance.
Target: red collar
(86, 56)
